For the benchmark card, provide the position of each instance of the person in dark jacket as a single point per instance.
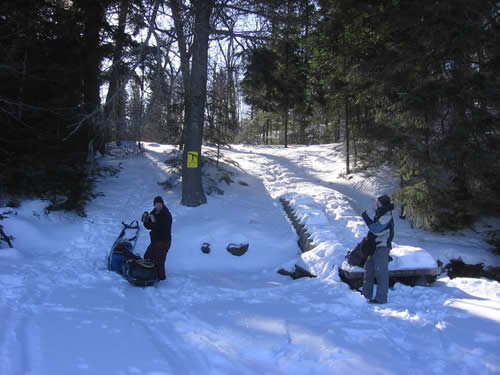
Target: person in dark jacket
(159, 222)
(377, 265)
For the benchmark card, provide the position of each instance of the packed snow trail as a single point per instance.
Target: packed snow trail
(63, 312)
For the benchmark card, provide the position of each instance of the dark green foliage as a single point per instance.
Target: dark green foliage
(493, 273)
(457, 268)
(453, 104)
(496, 246)
(493, 238)
(260, 83)
(66, 183)
(44, 98)
(174, 165)
(216, 169)
(420, 80)
(174, 161)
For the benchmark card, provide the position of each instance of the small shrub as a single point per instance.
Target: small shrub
(457, 268)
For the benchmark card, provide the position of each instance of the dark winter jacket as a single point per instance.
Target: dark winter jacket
(382, 226)
(161, 230)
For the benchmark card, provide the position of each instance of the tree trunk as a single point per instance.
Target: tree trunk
(268, 127)
(355, 135)
(113, 107)
(20, 98)
(346, 103)
(268, 130)
(287, 101)
(286, 127)
(91, 64)
(185, 55)
(192, 189)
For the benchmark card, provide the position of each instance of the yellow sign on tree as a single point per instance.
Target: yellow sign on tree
(192, 159)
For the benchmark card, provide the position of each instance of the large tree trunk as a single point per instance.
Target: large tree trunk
(113, 108)
(347, 138)
(94, 14)
(185, 56)
(192, 189)
(286, 126)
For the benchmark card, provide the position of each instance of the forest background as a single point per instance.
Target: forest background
(413, 84)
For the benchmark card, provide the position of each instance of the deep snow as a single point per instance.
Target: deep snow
(63, 312)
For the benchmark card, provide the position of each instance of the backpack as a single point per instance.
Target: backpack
(358, 255)
(140, 272)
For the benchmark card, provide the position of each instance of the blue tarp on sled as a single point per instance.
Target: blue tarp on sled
(132, 267)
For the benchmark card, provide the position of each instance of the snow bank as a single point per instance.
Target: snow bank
(63, 312)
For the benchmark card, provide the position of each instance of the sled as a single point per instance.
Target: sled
(140, 272)
(132, 267)
(411, 277)
(352, 269)
(122, 248)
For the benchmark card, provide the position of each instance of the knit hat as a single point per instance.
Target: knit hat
(158, 199)
(387, 206)
(385, 200)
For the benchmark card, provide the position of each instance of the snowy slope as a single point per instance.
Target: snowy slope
(62, 312)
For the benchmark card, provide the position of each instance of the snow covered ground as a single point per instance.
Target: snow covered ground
(63, 312)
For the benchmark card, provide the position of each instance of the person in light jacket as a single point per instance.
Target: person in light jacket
(377, 264)
(159, 222)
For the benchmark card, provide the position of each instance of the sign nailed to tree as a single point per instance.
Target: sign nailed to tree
(192, 159)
